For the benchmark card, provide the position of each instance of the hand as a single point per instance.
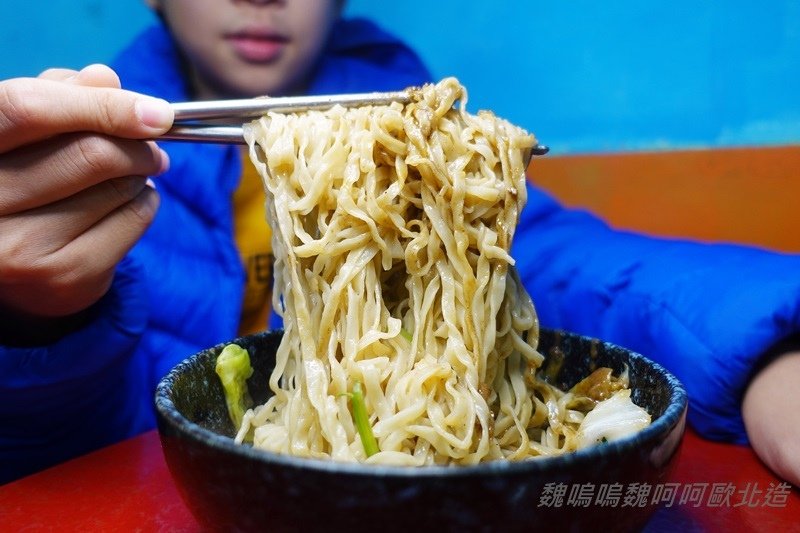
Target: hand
(771, 411)
(74, 194)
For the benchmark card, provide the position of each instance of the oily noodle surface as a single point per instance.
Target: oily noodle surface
(391, 231)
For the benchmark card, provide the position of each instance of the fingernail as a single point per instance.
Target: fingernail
(164, 161)
(154, 112)
(150, 183)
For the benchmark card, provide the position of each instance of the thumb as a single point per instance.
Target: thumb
(32, 109)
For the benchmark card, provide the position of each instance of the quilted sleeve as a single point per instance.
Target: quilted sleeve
(82, 392)
(706, 312)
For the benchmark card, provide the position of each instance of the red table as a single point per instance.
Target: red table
(127, 487)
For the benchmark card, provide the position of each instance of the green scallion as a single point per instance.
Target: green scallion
(361, 420)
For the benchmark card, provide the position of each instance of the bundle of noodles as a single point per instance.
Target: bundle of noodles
(391, 232)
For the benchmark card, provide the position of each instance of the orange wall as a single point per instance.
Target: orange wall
(745, 195)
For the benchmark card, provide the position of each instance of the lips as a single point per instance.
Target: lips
(256, 45)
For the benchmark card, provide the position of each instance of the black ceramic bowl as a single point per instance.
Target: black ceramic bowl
(234, 487)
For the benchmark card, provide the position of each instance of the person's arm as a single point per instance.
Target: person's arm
(74, 195)
(771, 411)
(706, 312)
(87, 389)
(74, 198)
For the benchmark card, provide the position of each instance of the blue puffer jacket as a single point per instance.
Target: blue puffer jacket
(705, 312)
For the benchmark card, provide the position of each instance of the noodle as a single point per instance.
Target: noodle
(391, 231)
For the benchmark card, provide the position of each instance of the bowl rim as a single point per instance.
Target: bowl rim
(168, 413)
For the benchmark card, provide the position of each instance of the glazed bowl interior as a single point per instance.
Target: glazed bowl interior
(234, 487)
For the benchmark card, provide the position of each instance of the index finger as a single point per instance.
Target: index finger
(35, 109)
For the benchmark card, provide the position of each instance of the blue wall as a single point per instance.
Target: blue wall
(583, 75)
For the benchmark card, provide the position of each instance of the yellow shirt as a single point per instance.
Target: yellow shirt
(253, 238)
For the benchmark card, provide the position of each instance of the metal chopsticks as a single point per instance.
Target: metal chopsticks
(259, 106)
(235, 135)
(187, 114)
(248, 108)
(205, 133)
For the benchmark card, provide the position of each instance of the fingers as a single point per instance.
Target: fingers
(106, 243)
(96, 75)
(50, 171)
(73, 196)
(58, 273)
(110, 239)
(45, 230)
(58, 74)
(771, 413)
(32, 109)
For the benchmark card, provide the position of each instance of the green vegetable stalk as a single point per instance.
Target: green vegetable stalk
(361, 420)
(233, 368)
